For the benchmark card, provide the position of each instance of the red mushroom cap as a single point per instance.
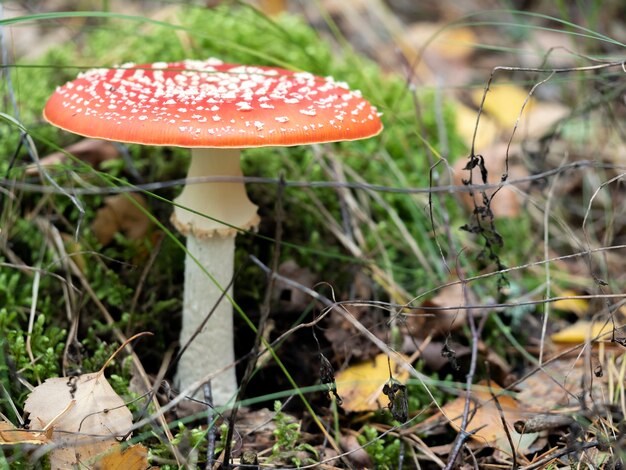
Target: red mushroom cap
(210, 104)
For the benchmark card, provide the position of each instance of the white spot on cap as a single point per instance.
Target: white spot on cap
(282, 118)
(243, 106)
(216, 118)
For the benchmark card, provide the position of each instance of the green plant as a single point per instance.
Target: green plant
(384, 451)
(287, 434)
(46, 345)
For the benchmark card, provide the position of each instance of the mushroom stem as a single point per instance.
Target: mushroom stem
(226, 203)
(211, 244)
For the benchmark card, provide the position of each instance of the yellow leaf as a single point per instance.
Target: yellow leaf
(452, 44)
(466, 123)
(504, 103)
(582, 330)
(577, 306)
(360, 386)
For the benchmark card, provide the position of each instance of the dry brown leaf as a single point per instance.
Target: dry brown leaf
(91, 151)
(451, 316)
(10, 435)
(485, 419)
(273, 7)
(134, 457)
(87, 414)
(121, 214)
(290, 298)
(559, 385)
(361, 385)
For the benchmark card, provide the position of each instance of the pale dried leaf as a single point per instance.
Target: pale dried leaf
(485, 419)
(559, 385)
(98, 411)
(87, 415)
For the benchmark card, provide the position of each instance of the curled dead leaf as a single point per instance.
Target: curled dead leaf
(10, 435)
(121, 214)
(91, 151)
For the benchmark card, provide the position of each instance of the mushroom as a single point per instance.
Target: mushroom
(215, 109)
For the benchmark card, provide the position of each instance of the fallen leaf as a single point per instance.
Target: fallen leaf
(450, 299)
(505, 104)
(361, 386)
(451, 44)
(445, 51)
(290, 298)
(121, 214)
(10, 435)
(273, 7)
(485, 419)
(562, 48)
(577, 306)
(466, 124)
(582, 331)
(134, 457)
(90, 151)
(559, 385)
(88, 417)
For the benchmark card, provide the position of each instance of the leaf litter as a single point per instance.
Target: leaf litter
(88, 419)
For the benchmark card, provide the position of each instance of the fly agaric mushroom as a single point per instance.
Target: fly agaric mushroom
(216, 109)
